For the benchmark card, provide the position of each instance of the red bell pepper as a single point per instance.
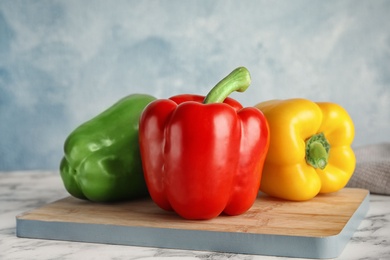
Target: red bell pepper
(204, 155)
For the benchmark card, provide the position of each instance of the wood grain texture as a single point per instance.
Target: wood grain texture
(323, 216)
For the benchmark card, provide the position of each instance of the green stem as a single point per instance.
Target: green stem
(317, 151)
(238, 80)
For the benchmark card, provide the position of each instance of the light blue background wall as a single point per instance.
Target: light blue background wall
(62, 62)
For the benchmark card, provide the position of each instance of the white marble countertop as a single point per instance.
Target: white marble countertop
(23, 191)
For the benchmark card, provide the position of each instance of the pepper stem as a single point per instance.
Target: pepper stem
(317, 151)
(238, 80)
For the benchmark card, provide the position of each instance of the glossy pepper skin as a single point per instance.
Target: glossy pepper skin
(202, 157)
(102, 160)
(310, 149)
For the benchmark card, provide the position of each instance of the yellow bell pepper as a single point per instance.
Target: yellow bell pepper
(310, 148)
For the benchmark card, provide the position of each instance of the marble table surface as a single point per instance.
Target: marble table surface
(27, 190)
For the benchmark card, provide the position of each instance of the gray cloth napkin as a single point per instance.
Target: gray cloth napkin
(372, 169)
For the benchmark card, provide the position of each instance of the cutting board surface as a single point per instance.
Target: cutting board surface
(319, 228)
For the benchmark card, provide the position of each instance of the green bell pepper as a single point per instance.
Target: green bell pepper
(102, 160)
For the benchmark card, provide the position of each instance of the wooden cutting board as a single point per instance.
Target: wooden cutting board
(319, 228)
